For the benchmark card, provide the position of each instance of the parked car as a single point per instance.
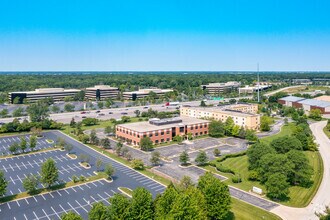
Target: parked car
(124, 113)
(83, 117)
(110, 113)
(98, 111)
(101, 114)
(83, 113)
(145, 107)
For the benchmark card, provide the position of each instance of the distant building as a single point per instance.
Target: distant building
(242, 115)
(217, 88)
(306, 104)
(161, 130)
(101, 92)
(57, 94)
(253, 89)
(144, 93)
(302, 81)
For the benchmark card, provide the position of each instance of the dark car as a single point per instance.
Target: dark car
(83, 117)
(110, 113)
(145, 107)
(124, 113)
(98, 111)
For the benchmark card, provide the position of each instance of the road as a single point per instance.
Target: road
(280, 90)
(117, 112)
(322, 197)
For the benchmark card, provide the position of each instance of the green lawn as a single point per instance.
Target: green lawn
(325, 130)
(286, 130)
(244, 211)
(299, 196)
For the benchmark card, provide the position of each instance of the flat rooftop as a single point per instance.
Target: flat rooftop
(145, 126)
(323, 98)
(223, 109)
(147, 91)
(102, 87)
(48, 90)
(230, 83)
(291, 99)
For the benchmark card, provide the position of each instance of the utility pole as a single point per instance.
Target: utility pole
(258, 83)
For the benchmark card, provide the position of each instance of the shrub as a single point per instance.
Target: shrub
(223, 158)
(224, 169)
(236, 179)
(82, 178)
(253, 175)
(75, 179)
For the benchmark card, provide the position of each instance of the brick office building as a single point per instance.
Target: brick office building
(161, 130)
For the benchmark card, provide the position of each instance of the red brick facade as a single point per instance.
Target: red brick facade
(160, 135)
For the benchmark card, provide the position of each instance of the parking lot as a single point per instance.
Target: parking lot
(5, 143)
(79, 198)
(17, 168)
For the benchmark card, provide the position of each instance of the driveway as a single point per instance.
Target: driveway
(322, 197)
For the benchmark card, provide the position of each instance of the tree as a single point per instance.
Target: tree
(98, 212)
(68, 148)
(68, 107)
(93, 137)
(164, 203)
(3, 184)
(201, 158)
(60, 142)
(255, 152)
(242, 133)
(251, 136)
(326, 214)
(23, 144)
(109, 170)
(202, 104)
(108, 130)
(137, 164)
(13, 148)
(274, 163)
(216, 152)
(216, 194)
(277, 186)
(4, 112)
(30, 183)
(146, 144)
(38, 111)
(36, 131)
(119, 206)
(216, 129)
(155, 158)
(235, 131)
(55, 109)
(105, 143)
(178, 139)
(90, 121)
(71, 216)
(18, 112)
(137, 113)
(98, 164)
(72, 123)
(229, 125)
(284, 144)
(302, 171)
(232, 101)
(100, 105)
(184, 158)
(49, 172)
(33, 142)
(315, 114)
(189, 204)
(124, 151)
(141, 205)
(185, 183)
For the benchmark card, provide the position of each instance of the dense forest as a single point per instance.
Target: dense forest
(182, 82)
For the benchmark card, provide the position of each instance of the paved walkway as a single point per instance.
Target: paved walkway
(322, 197)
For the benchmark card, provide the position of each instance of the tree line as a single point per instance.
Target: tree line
(209, 199)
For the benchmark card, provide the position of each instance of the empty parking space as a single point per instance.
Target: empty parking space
(6, 142)
(79, 198)
(18, 168)
(52, 205)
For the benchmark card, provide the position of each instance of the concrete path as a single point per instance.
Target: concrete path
(322, 197)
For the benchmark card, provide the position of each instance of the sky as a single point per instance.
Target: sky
(169, 35)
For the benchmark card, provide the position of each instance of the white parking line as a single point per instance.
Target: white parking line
(45, 214)
(81, 206)
(35, 215)
(55, 212)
